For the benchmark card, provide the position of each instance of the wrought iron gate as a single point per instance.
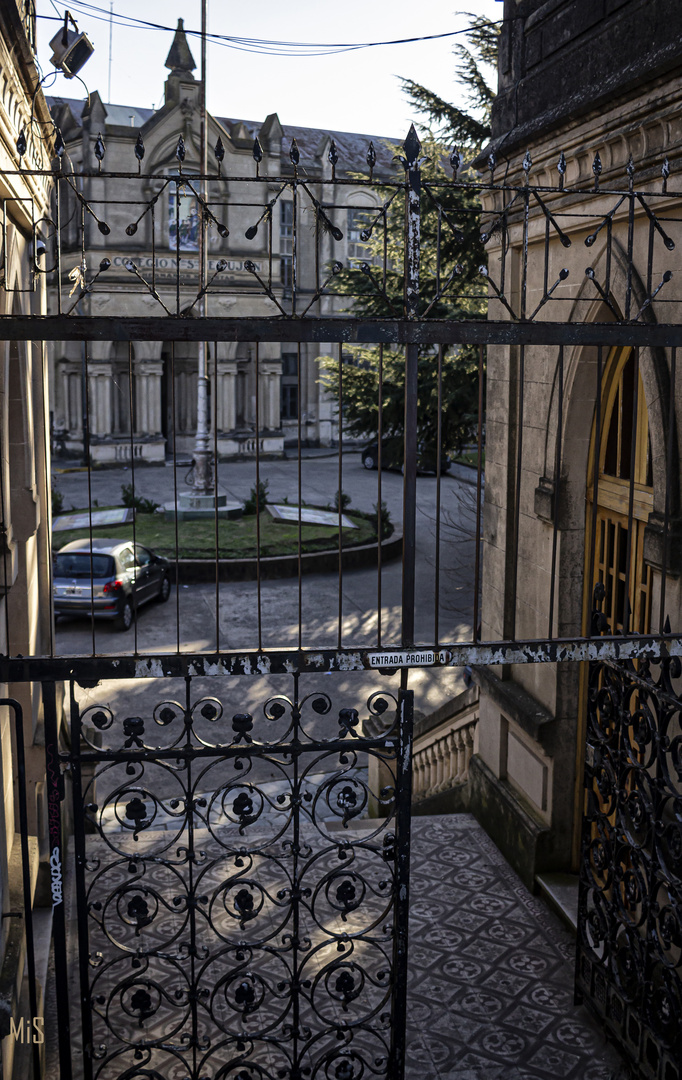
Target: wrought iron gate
(231, 919)
(238, 913)
(629, 924)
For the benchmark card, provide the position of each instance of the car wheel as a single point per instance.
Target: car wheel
(124, 619)
(164, 589)
(369, 461)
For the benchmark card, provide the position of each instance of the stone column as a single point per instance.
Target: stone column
(99, 398)
(226, 405)
(269, 382)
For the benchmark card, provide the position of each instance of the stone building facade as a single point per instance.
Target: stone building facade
(25, 610)
(593, 78)
(164, 390)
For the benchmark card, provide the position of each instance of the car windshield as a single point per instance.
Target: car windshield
(76, 564)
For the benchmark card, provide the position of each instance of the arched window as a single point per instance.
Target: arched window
(623, 483)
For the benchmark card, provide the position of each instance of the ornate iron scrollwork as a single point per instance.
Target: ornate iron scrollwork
(239, 923)
(630, 905)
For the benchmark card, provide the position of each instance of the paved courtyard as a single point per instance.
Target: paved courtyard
(490, 970)
(236, 625)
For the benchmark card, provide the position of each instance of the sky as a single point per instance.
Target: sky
(354, 91)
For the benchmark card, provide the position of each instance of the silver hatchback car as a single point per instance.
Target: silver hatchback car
(110, 582)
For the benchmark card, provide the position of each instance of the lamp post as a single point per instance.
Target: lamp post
(203, 479)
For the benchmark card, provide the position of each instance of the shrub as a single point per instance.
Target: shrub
(57, 501)
(342, 498)
(257, 500)
(383, 517)
(136, 502)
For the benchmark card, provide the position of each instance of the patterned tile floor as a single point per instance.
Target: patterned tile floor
(490, 982)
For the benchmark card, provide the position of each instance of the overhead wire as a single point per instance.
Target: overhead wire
(266, 46)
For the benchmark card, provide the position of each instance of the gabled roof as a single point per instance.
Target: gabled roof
(351, 146)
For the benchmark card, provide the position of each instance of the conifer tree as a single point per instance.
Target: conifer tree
(451, 284)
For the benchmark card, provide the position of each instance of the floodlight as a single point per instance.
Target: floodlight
(70, 49)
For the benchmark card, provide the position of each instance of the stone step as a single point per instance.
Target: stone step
(560, 892)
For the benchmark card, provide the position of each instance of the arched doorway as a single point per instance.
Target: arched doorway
(620, 497)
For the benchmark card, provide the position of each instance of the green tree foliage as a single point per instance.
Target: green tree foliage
(469, 129)
(451, 286)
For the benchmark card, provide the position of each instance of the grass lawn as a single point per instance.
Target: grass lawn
(236, 539)
(470, 457)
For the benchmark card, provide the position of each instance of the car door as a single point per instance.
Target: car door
(147, 576)
(128, 570)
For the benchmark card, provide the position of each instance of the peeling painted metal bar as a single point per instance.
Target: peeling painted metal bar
(92, 669)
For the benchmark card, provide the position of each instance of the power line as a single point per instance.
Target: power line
(263, 46)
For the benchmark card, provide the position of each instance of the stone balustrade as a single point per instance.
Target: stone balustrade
(442, 752)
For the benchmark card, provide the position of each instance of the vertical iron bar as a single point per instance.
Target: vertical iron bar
(412, 256)
(81, 888)
(132, 480)
(192, 856)
(380, 428)
(4, 240)
(294, 248)
(524, 260)
(631, 238)
(595, 481)
(300, 496)
(47, 461)
(557, 486)
(4, 453)
(55, 795)
(88, 465)
(296, 891)
(479, 491)
(175, 498)
(403, 795)
(668, 475)
(215, 489)
(650, 259)
(258, 555)
(25, 871)
(177, 247)
(439, 232)
(517, 491)
(270, 252)
(439, 432)
(58, 240)
(153, 232)
(340, 506)
(630, 608)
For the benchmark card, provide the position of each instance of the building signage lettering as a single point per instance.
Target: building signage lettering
(408, 658)
(168, 262)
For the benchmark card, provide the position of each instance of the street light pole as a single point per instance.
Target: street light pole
(203, 480)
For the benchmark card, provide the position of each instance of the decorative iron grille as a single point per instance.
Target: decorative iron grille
(218, 867)
(629, 959)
